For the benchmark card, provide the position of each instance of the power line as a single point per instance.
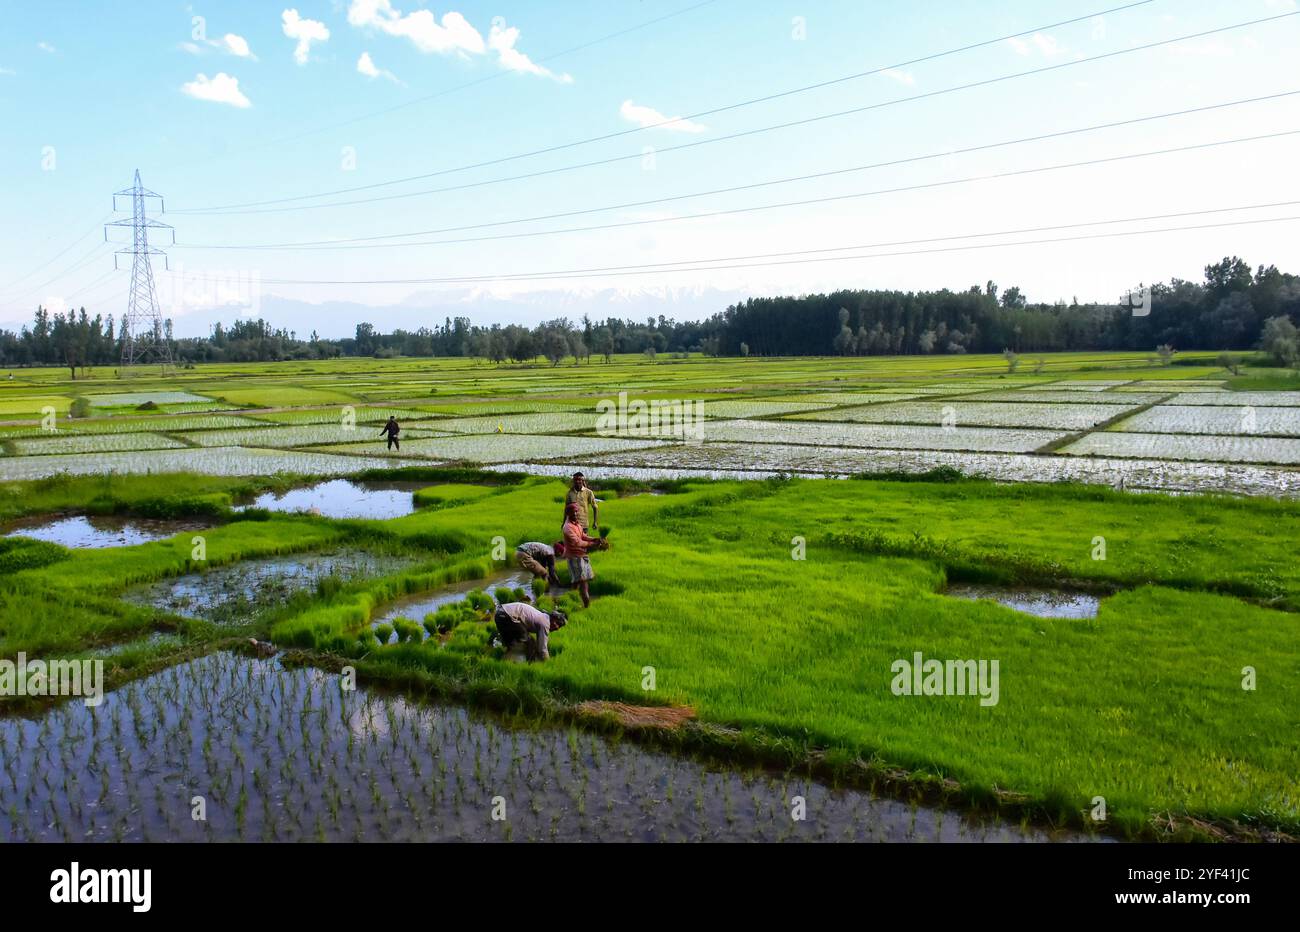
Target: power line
(706, 264)
(350, 244)
(62, 252)
(826, 174)
(745, 103)
(701, 263)
(619, 158)
(97, 252)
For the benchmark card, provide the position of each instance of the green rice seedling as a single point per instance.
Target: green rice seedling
(480, 600)
(384, 632)
(407, 630)
(539, 587)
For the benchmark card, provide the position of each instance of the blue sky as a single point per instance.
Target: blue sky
(252, 102)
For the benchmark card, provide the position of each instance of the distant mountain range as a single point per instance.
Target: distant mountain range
(333, 319)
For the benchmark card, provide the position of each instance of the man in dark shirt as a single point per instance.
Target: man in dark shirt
(392, 429)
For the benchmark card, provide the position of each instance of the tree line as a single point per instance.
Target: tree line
(1233, 308)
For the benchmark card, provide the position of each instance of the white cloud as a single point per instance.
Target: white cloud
(502, 40)
(453, 34)
(236, 45)
(46, 47)
(902, 77)
(230, 43)
(366, 66)
(7, 71)
(1041, 42)
(221, 89)
(306, 31)
(648, 116)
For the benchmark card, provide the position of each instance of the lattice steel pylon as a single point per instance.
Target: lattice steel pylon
(143, 339)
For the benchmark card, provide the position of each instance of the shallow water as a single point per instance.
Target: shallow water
(97, 532)
(415, 607)
(286, 755)
(343, 498)
(234, 594)
(1045, 603)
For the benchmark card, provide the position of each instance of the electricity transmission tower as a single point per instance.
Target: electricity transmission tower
(143, 339)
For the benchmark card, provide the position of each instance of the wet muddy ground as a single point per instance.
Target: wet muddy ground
(274, 754)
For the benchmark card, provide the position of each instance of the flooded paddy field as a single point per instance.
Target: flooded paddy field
(275, 754)
(889, 436)
(213, 461)
(97, 531)
(1283, 451)
(750, 461)
(979, 414)
(1206, 419)
(237, 592)
(496, 448)
(75, 443)
(343, 498)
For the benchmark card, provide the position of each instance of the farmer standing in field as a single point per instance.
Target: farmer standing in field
(538, 559)
(576, 544)
(519, 621)
(580, 495)
(392, 429)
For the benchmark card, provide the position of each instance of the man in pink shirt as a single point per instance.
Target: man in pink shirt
(576, 544)
(519, 621)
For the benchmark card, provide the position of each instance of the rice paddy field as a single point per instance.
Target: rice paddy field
(236, 543)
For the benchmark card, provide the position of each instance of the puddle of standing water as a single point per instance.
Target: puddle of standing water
(415, 607)
(343, 498)
(97, 532)
(286, 755)
(234, 594)
(1045, 603)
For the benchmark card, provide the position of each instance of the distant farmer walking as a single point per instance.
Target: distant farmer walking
(392, 429)
(576, 544)
(538, 559)
(519, 621)
(581, 496)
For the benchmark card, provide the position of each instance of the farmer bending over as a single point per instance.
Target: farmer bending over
(580, 494)
(392, 429)
(538, 559)
(576, 544)
(519, 621)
